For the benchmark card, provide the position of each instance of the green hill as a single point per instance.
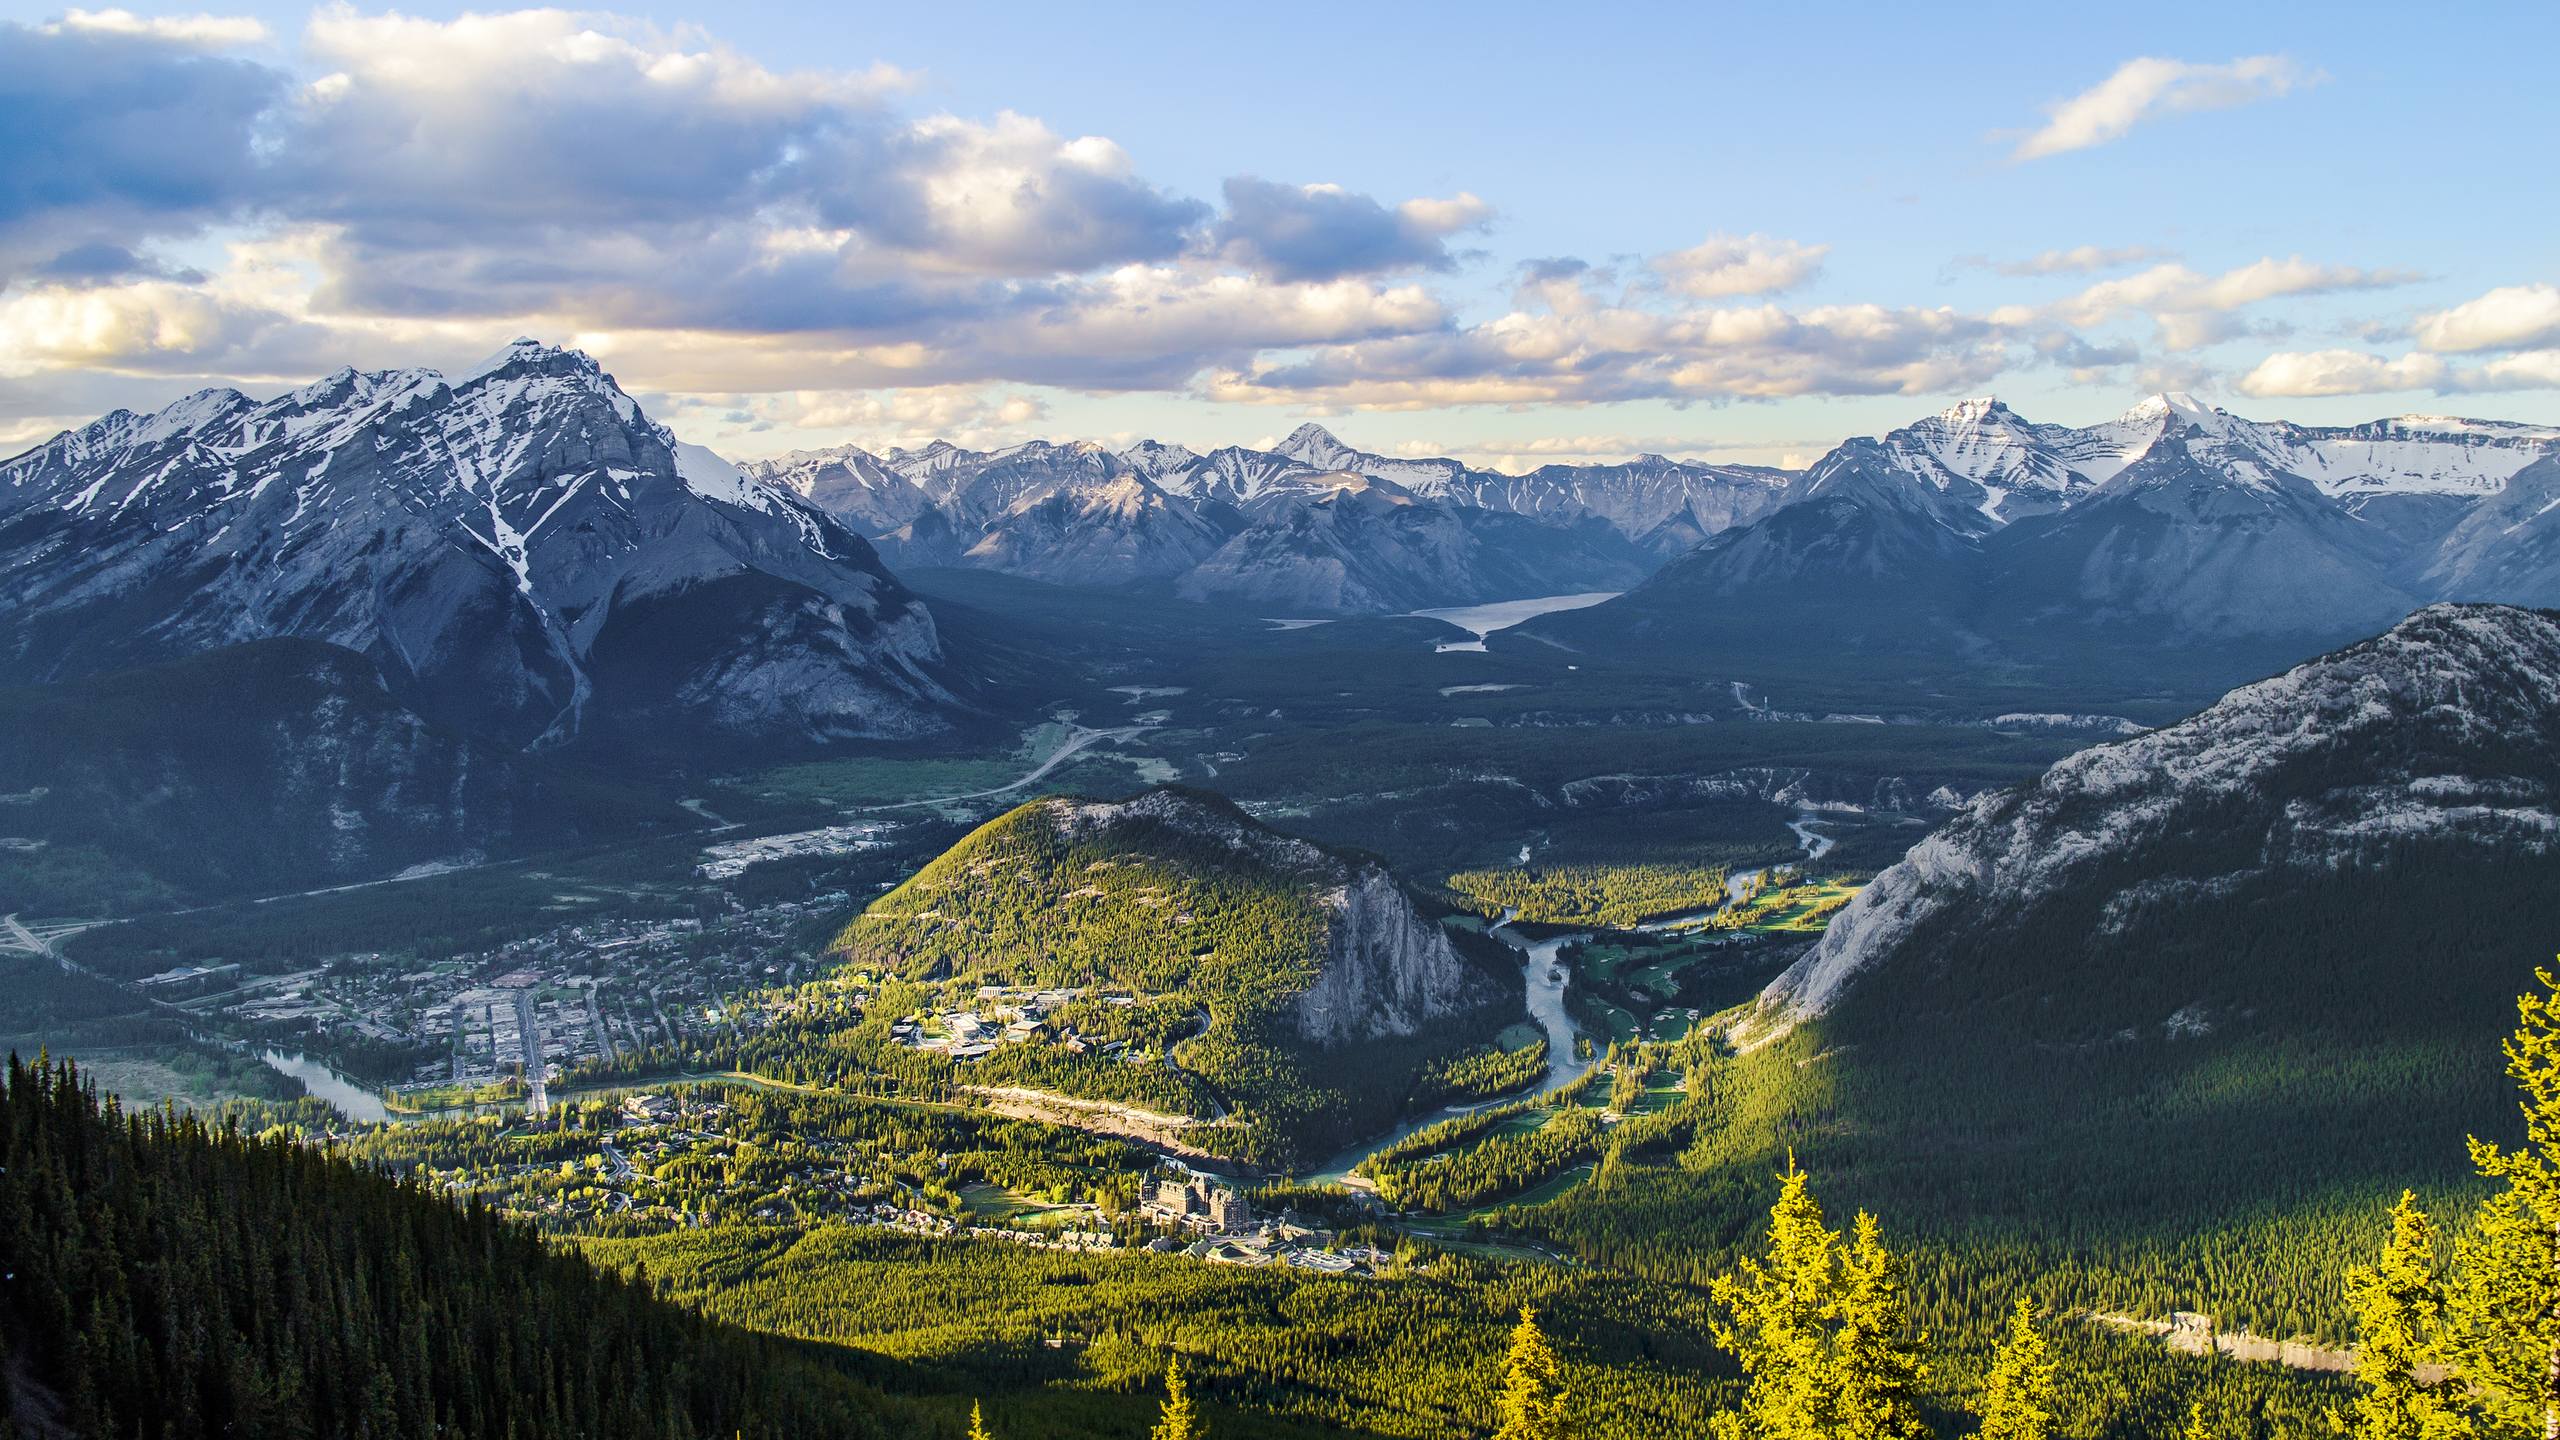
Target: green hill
(1276, 996)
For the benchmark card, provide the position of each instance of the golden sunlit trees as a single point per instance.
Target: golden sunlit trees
(1532, 1406)
(2399, 1308)
(1822, 1331)
(2018, 1397)
(1176, 1421)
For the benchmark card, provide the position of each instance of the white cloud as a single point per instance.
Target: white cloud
(151, 326)
(2298, 374)
(2352, 372)
(2078, 260)
(2190, 308)
(938, 410)
(206, 32)
(1462, 211)
(1322, 232)
(2143, 88)
(1728, 265)
(1582, 349)
(2511, 317)
(2532, 370)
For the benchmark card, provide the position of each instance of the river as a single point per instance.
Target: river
(1547, 979)
(1483, 620)
(350, 1099)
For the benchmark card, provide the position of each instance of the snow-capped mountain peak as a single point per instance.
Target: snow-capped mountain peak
(480, 538)
(1973, 411)
(2178, 403)
(1315, 446)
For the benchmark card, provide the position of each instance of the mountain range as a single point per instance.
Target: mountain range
(1975, 533)
(1309, 526)
(526, 557)
(1971, 532)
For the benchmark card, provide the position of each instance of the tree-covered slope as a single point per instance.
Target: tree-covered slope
(170, 1280)
(2166, 1028)
(1289, 990)
(263, 766)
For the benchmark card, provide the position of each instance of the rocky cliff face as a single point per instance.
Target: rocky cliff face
(2442, 735)
(2508, 548)
(1387, 971)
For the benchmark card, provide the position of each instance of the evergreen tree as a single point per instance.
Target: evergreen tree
(1777, 1327)
(977, 1423)
(2398, 1312)
(2502, 1315)
(1532, 1385)
(1176, 1422)
(1874, 1355)
(2018, 1399)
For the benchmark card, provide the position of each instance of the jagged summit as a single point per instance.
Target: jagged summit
(1974, 410)
(2173, 402)
(525, 350)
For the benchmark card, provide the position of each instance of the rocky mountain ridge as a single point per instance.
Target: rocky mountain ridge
(1386, 972)
(2443, 733)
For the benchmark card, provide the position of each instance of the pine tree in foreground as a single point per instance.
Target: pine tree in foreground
(977, 1423)
(1822, 1331)
(1532, 1406)
(1176, 1422)
(1874, 1355)
(1777, 1328)
(2399, 1313)
(2018, 1399)
(2502, 1312)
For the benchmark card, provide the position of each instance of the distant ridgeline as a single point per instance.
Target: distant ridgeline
(1277, 996)
(170, 1280)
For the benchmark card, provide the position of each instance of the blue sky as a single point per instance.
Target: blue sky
(1741, 233)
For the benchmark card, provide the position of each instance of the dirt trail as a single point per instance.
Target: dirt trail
(2191, 1334)
(1102, 1117)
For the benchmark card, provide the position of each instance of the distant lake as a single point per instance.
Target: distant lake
(350, 1099)
(1483, 620)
